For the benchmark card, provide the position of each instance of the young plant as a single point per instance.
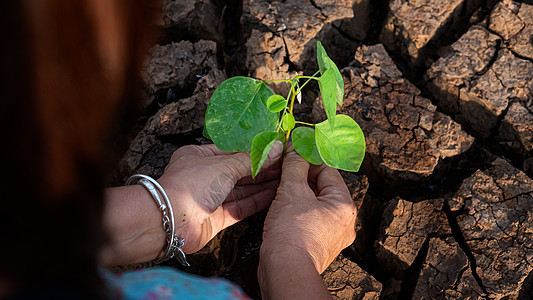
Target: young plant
(244, 115)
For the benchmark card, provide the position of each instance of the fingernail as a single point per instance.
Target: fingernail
(277, 149)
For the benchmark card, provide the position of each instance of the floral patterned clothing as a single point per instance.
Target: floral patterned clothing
(164, 283)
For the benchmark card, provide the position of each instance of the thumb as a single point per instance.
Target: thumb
(295, 168)
(274, 155)
(240, 163)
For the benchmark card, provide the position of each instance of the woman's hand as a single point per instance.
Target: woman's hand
(313, 212)
(211, 190)
(310, 221)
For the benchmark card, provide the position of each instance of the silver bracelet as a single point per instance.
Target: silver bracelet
(174, 243)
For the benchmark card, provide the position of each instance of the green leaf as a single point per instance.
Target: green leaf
(237, 112)
(282, 137)
(328, 89)
(276, 103)
(343, 146)
(338, 80)
(205, 134)
(303, 140)
(261, 145)
(320, 55)
(325, 63)
(288, 122)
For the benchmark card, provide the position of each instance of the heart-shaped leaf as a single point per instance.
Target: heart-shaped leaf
(343, 146)
(288, 122)
(325, 63)
(320, 55)
(303, 140)
(338, 80)
(276, 103)
(328, 89)
(261, 145)
(237, 112)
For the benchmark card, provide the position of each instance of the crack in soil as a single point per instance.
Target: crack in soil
(380, 10)
(520, 56)
(344, 34)
(145, 155)
(508, 46)
(459, 276)
(313, 2)
(495, 130)
(460, 239)
(491, 62)
(410, 278)
(287, 58)
(234, 39)
(183, 139)
(527, 288)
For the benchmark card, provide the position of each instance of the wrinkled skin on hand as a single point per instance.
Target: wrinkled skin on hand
(211, 190)
(312, 214)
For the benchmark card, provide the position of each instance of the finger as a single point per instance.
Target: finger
(200, 150)
(240, 165)
(274, 156)
(266, 175)
(211, 150)
(235, 211)
(237, 165)
(241, 192)
(328, 181)
(313, 187)
(295, 168)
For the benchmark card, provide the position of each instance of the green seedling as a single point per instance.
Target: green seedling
(245, 115)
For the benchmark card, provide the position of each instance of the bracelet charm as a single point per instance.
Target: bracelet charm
(174, 243)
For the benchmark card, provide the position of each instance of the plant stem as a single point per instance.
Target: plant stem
(292, 95)
(278, 127)
(276, 80)
(304, 123)
(312, 77)
(291, 109)
(285, 109)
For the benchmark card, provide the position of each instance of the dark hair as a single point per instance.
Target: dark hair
(65, 99)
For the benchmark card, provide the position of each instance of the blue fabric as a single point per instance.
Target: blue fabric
(164, 283)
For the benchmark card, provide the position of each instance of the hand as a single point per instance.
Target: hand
(211, 190)
(312, 215)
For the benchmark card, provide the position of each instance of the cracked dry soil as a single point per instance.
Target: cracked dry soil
(443, 91)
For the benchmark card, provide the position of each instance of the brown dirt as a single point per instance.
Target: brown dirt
(443, 91)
